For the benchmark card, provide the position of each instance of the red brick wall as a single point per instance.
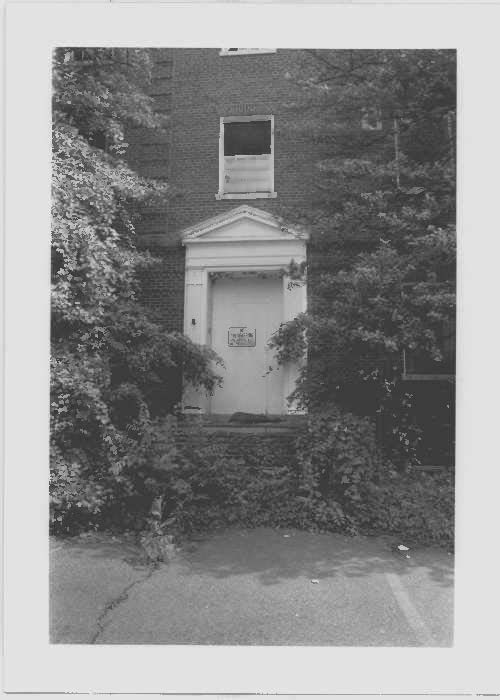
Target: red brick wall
(162, 286)
(207, 86)
(196, 87)
(149, 149)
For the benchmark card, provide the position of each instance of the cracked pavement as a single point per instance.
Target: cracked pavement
(89, 576)
(252, 587)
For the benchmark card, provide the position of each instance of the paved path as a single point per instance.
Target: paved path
(254, 587)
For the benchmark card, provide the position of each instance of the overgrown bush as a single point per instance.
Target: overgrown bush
(194, 480)
(116, 373)
(381, 266)
(413, 505)
(347, 485)
(114, 369)
(204, 481)
(178, 480)
(75, 497)
(337, 457)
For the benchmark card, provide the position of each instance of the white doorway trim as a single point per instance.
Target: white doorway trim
(245, 239)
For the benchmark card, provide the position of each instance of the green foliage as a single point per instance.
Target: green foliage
(113, 368)
(337, 457)
(117, 458)
(175, 480)
(416, 506)
(193, 481)
(75, 501)
(206, 481)
(345, 485)
(382, 255)
(102, 92)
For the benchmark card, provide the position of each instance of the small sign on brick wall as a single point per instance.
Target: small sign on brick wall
(241, 337)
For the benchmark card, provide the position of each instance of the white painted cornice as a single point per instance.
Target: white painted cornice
(270, 228)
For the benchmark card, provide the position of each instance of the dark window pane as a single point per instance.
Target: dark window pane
(247, 138)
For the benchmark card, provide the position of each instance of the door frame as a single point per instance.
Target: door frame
(244, 240)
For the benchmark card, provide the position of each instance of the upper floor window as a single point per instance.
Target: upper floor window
(246, 157)
(234, 52)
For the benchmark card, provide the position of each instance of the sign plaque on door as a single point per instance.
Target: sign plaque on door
(241, 337)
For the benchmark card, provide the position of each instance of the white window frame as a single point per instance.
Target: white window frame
(221, 194)
(245, 52)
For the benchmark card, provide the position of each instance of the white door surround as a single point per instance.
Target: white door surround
(245, 243)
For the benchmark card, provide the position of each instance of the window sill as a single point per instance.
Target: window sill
(246, 52)
(427, 377)
(246, 195)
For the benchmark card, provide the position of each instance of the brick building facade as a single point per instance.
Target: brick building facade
(198, 87)
(214, 96)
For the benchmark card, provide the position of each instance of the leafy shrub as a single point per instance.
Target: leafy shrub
(414, 505)
(76, 496)
(175, 479)
(347, 485)
(338, 456)
(114, 369)
(205, 482)
(382, 250)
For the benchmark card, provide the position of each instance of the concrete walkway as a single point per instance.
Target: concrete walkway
(257, 587)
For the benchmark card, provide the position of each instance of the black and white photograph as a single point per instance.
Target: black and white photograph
(252, 346)
(249, 365)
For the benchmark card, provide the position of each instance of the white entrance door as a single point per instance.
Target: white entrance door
(245, 312)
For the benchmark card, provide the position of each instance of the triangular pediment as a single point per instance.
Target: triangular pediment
(243, 223)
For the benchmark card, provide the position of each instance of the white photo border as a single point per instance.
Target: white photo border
(31, 663)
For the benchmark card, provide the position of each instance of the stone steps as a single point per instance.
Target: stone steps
(270, 425)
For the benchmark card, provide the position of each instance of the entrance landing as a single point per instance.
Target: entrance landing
(237, 423)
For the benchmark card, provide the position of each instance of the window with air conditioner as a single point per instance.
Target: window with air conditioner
(246, 158)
